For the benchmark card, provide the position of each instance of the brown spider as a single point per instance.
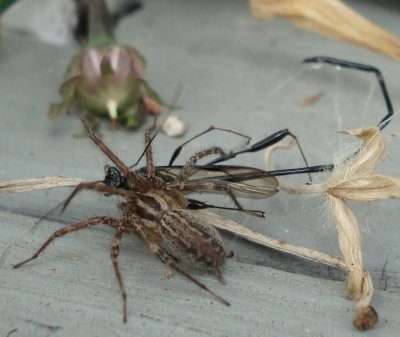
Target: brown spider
(157, 211)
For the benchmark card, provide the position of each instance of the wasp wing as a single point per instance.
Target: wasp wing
(248, 182)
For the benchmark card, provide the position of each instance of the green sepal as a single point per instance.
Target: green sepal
(106, 68)
(67, 89)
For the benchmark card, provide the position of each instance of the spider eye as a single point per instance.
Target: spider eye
(114, 177)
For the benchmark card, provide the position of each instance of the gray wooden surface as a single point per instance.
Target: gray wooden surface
(72, 290)
(237, 73)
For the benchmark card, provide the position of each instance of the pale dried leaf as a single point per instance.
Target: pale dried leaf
(331, 18)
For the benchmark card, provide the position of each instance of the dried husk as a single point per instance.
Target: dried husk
(373, 187)
(331, 18)
(355, 180)
(350, 244)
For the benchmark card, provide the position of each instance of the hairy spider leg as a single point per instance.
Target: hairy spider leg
(114, 259)
(154, 130)
(166, 259)
(150, 167)
(211, 128)
(114, 252)
(69, 229)
(99, 187)
(191, 165)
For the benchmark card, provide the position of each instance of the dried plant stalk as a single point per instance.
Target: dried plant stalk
(234, 228)
(37, 184)
(26, 185)
(331, 18)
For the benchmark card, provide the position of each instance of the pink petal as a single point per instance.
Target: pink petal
(91, 62)
(121, 61)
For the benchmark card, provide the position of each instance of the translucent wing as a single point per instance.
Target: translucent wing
(244, 181)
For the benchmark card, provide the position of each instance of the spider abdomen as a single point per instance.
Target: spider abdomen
(194, 241)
